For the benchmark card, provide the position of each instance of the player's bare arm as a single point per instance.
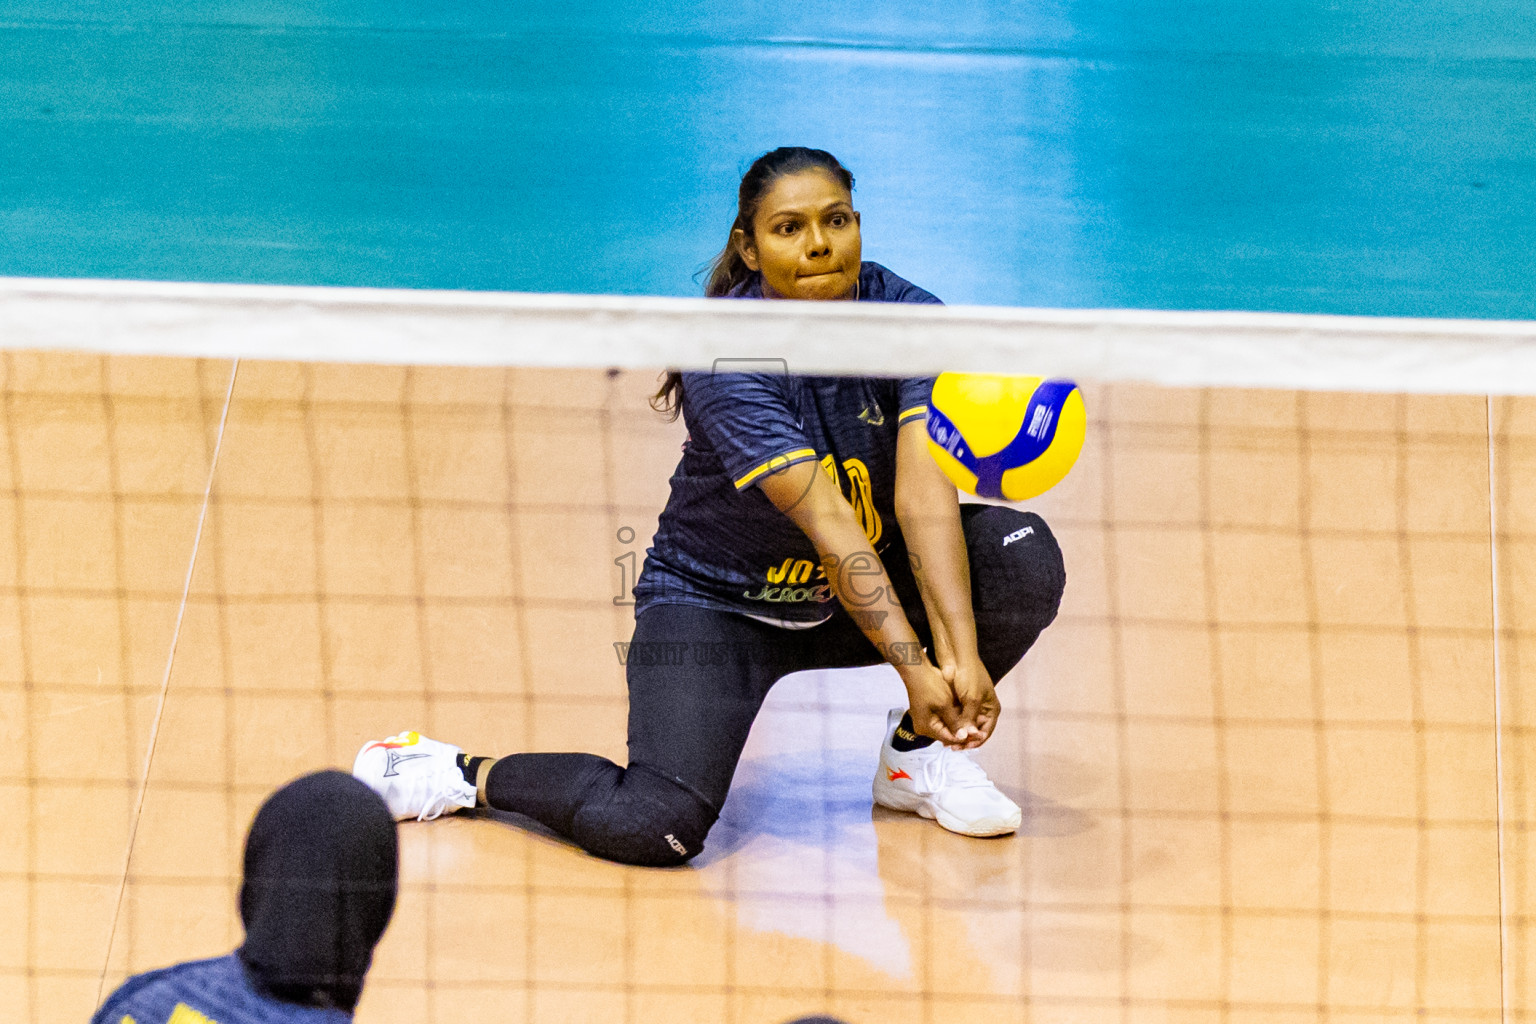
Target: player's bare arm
(928, 509)
(805, 494)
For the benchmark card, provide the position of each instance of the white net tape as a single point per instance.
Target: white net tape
(502, 329)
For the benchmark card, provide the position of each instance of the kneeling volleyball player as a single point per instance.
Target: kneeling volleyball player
(808, 528)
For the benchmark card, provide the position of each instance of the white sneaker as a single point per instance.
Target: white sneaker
(417, 777)
(942, 784)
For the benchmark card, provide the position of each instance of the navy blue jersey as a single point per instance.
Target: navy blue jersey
(720, 542)
(215, 991)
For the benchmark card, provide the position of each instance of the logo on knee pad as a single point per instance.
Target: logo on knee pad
(679, 847)
(1018, 535)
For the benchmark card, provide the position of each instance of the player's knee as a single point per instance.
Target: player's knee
(649, 821)
(1018, 577)
(1042, 571)
(1015, 561)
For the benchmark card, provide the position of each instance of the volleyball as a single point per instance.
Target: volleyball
(1001, 436)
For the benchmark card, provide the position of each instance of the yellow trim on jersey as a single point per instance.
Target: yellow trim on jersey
(775, 464)
(916, 410)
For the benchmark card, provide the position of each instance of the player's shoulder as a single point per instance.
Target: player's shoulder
(216, 989)
(143, 989)
(880, 284)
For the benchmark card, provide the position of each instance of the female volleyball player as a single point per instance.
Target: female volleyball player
(808, 527)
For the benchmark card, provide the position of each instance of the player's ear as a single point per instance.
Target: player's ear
(746, 248)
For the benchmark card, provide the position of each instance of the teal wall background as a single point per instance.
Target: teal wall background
(1373, 157)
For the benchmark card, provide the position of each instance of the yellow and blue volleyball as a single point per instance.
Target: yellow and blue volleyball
(1001, 436)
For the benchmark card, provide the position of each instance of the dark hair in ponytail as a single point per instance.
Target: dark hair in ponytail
(729, 269)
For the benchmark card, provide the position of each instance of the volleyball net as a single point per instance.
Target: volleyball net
(1274, 754)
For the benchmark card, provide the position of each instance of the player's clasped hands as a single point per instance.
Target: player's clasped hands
(971, 685)
(956, 705)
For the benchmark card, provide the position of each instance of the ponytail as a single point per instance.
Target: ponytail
(729, 267)
(668, 399)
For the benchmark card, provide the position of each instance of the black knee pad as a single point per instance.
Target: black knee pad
(1017, 579)
(649, 820)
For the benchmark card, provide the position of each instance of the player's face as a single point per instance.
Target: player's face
(805, 239)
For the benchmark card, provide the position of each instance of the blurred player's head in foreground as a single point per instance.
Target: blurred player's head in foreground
(796, 225)
(321, 868)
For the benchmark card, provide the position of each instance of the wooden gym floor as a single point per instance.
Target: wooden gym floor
(1276, 754)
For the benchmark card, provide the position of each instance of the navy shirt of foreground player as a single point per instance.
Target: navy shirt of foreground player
(321, 864)
(217, 991)
(720, 542)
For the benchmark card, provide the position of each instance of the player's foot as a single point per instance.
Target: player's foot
(417, 777)
(944, 785)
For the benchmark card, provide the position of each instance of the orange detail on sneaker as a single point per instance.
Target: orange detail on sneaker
(896, 773)
(405, 739)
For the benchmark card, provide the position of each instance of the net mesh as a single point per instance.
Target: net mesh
(1274, 755)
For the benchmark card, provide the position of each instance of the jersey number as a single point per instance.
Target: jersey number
(859, 493)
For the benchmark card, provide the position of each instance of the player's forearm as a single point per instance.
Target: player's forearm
(860, 581)
(943, 581)
(929, 514)
(813, 503)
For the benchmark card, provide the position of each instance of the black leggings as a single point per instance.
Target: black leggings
(698, 676)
